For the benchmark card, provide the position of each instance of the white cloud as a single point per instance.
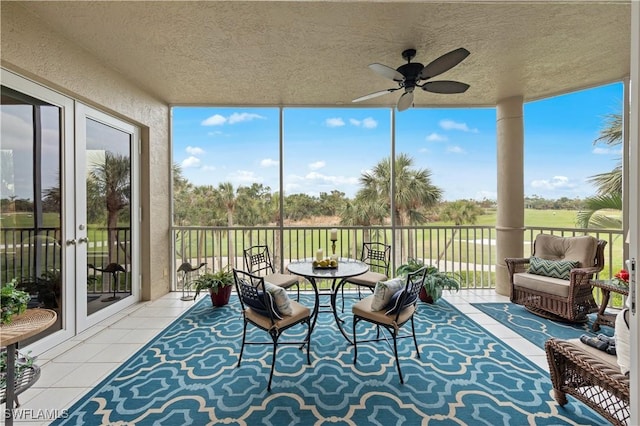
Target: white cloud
(606, 151)
(435, 137)
(244, 177)
(214, 120)
(334, 122)
(334, 180)
(194, 150)
(239, 117)
(453, 125)
(292, 188)
(268, 162)
(190, 162)
(319, 179)
(236, 117)
(556, 182)
(367, 123)
(424, 151)
(455, 149)
(317, 165)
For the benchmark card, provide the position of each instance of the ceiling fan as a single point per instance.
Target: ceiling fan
(414, 74)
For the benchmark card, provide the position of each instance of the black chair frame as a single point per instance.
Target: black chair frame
(378, 256)
(257, 260)
(414, 284)
(251, 287)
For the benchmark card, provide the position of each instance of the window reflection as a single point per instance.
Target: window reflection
(30, 214)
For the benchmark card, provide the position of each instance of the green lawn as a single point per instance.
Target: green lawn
(540, 218)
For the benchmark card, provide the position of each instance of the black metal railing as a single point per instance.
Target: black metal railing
(470, 251)
(28, 254)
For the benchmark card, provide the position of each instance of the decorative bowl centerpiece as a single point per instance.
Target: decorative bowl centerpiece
(326, 263)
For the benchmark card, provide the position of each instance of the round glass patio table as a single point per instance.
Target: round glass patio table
(347, 268)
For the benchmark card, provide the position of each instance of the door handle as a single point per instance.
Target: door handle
(71, 242)
(83, 240)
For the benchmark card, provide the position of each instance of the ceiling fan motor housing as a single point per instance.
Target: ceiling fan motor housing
(411, 71)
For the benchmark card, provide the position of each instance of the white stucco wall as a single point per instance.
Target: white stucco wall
(32, 49)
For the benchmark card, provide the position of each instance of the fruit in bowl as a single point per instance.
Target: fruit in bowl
(325, 263)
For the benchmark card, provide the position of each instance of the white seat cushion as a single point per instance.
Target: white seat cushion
(363, 309)
(368, 279)
(542, 284)
(282, 280)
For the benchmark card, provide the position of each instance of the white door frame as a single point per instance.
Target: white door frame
(634, 205)
(84, 112)
(67, 177)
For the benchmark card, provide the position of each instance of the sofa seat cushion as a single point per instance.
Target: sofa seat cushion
(606, 358)
(552, 247)
(542, 284)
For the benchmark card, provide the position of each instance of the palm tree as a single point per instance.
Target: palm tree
(182, 197)
(609, 184)
(363, 212)
(611, 134)
(226, 198)
(111, 180)
(413, 192)
(589, 216)
(459, 212)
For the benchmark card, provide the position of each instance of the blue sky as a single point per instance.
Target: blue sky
(329, 148)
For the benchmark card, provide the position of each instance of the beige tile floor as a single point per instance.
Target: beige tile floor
(71, 369)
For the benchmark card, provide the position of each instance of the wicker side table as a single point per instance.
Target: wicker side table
(30, 323)
(604, 317)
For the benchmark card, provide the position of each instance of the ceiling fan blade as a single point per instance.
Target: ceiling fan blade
(374, 95)
(405, 101)
(445, 86)
(387, 72)
(444, 63)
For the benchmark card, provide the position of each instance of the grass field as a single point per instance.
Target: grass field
(542, 218)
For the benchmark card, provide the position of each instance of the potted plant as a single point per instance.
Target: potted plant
(218, 283)
(12, 301)
(434, 282)
(46, 287)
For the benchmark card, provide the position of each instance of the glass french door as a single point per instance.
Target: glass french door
(106, 214)
(68, 207)
(36, 125)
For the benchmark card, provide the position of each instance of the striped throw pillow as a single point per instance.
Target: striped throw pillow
(552, 268)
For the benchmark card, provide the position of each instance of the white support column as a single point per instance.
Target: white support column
(510, 218)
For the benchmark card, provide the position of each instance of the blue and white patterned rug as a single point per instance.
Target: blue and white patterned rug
(187, 376)
(536, 329)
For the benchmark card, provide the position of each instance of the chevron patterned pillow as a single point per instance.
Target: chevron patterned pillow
(552, 268)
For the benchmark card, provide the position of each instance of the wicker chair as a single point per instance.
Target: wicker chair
(569, 300)
(591, 376)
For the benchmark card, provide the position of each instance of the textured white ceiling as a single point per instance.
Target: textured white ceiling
(316, 53)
